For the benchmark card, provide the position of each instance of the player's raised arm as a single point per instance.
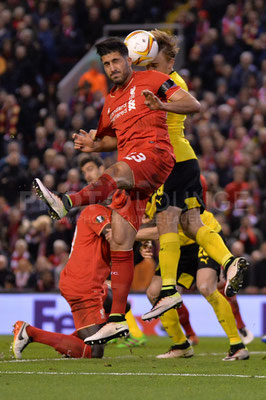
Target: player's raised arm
(181, 102)
(85, 141)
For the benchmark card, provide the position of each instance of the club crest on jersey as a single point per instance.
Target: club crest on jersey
(99, 219)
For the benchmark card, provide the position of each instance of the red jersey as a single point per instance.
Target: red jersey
(125, 115)
(89, 263)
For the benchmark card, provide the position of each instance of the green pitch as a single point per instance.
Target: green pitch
(134, 374)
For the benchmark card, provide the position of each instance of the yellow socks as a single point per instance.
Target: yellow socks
(169, 257)
(132, 325)
(225, 316)
(171, 324)
(213, 244)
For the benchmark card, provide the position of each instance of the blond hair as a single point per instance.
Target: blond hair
(167, 43)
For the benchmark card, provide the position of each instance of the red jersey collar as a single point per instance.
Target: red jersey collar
(116, 88)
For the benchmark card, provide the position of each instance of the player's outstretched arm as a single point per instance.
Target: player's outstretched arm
(181, 102)
(85, 141)
(147, 233)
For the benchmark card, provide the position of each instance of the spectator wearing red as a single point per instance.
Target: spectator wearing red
(237, 186)
(20, 252)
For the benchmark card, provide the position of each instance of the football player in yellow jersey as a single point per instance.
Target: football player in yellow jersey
(179, 200)
(194, 265)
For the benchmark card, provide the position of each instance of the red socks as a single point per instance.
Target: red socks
(95, 192)
(70, 345)
(184, 320)
(121, 278)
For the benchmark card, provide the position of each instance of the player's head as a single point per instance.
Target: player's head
(168, 50)
(114, 56)
(92, 167)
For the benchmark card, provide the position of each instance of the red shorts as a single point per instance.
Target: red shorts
(150, 169)
(130, 205)
(87, 309)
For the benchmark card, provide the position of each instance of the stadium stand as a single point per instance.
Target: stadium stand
(224, 67)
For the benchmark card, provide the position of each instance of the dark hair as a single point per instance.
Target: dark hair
(91, 158)
(110, 45)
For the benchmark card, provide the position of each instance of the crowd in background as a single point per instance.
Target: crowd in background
(224, 67)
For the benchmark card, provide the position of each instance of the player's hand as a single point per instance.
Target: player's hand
(152, 101)
(84, 141)
(146, 250)
(108, 235)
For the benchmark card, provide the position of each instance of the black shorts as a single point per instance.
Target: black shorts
(193, 258)
(182, 188)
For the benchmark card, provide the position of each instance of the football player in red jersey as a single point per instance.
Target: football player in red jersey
(82, 285)
(133, 120)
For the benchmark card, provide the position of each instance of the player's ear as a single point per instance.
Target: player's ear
(101, 169)
(171, 63)
(129, 60)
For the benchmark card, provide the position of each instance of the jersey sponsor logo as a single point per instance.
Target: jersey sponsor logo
(138, 157)
(124, 108)
(99, 219)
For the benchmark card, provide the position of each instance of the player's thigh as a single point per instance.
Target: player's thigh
(123, 233)
(191, 221)
(122, 174)
(150, 167)
(154, 288)
(167, 220)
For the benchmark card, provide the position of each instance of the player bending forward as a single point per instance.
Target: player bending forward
(82, 284)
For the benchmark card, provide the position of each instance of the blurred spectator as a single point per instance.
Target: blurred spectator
(237, 186)
(63, 116)
(243, 71)
(90, 118)
(9, 117)
(13, 178)
(70, 45)
(94, 79)
(62, 231)
(248, 235)
(73, 183)
(20, 252)
(59, 140)
(42, 280)
(59, 252)
(38, 146)
(47, 41)
(29, 112)
(4, 272)
(22, 273)
(232, 22)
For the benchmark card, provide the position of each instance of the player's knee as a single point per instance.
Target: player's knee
(205, 289)
(122, 175)
(167, 221)
(97, 351)
(191, 222)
